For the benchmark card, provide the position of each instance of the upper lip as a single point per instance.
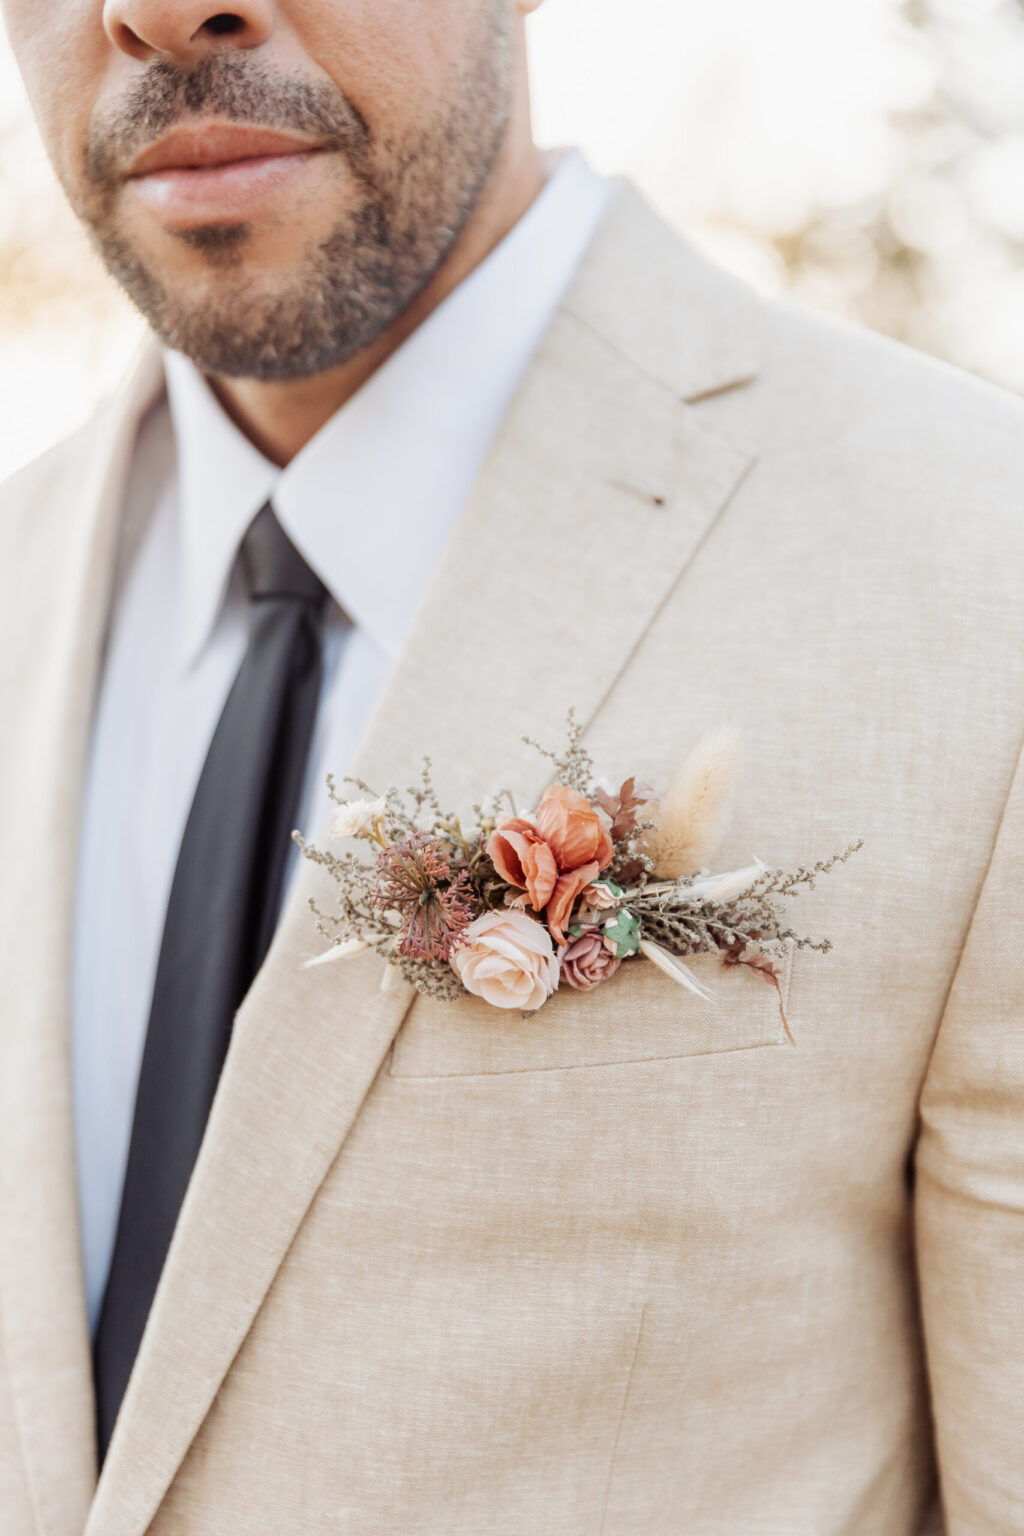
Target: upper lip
(198, 145)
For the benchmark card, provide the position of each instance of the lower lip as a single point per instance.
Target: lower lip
(236, 189)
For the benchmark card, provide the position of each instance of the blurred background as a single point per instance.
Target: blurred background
(864, 156)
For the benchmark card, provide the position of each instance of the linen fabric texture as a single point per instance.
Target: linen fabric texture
(634, 1266)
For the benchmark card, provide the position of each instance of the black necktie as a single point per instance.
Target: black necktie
(221, 915)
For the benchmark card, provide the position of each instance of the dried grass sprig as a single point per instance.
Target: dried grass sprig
(692, 815)
(574, 765)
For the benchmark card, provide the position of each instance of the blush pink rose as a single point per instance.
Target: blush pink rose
(523, 859)
(573, 830)
(586, 962)
(508, 960)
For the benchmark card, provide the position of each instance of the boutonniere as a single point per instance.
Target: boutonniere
(525, 901)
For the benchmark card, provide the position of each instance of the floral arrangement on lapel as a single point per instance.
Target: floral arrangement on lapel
(518, 904)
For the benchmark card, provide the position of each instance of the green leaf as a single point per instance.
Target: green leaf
(576, 930)
(624, 931)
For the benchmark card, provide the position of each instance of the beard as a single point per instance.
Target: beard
(347, 288)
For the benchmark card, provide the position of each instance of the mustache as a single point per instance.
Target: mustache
(232, 86)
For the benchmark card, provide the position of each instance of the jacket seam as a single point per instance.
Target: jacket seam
(621, 1420)
(1016, 772)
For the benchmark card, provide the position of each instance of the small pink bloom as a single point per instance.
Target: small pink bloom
(573, 830)
(586, 961)
(599, 898)
(523, 859)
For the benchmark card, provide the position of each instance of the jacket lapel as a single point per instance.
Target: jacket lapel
(596, 494)
(65, 532)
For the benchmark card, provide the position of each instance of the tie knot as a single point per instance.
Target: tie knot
(273, 566)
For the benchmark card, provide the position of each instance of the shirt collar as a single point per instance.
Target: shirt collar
(223, 481)
(370, 499)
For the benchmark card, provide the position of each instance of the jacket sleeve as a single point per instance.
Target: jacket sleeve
(969, 1207)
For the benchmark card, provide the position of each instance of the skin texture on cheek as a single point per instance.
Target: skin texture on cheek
(63, 55)
(396, 62)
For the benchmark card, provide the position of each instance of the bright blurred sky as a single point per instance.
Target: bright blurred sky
(738, 117)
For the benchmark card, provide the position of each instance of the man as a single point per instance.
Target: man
(436, 439)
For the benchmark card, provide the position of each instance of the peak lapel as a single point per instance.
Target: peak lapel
(65, 534)
(597, 492)
(676, 316)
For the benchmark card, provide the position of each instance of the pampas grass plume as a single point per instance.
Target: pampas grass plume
(693, 813)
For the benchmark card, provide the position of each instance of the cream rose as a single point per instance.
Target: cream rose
(508, 960)
(599, 898)
(356, 817)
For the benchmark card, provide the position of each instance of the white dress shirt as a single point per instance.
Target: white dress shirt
(369, 502)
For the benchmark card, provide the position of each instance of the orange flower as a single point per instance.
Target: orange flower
(573, 830)
(567, 888)
(523, 859)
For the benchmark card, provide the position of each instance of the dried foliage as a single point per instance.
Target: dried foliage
(687, 921)
(429, 880)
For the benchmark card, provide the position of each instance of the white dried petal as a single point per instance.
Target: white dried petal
(674, 967)
(344, 951)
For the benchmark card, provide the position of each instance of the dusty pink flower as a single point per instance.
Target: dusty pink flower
(573, 830)
(599, 898)
(586, 961)
(416, 880)
(507, 959)
(523, 859)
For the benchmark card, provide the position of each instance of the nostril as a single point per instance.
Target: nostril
(182, 31)
(223, 24)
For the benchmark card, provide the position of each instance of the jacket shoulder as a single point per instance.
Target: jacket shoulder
(876, 436)
(45, 493)
(33, 479)
(824, 377)
(49, 490)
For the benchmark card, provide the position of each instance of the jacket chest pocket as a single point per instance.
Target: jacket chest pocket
(639, 1014)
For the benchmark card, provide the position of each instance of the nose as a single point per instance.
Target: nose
(182, 31)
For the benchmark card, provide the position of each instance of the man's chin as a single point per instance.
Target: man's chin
(216, 297)
(247, 329)
(265, 300)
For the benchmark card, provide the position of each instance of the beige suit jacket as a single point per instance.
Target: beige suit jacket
(635, 1265)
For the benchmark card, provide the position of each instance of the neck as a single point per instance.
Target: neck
(281, 418)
